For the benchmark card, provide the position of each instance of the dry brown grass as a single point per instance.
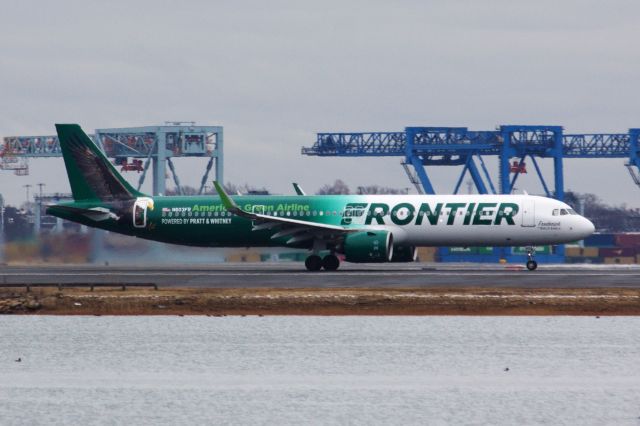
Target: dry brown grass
(369, 301)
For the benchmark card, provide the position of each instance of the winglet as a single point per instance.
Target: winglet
(299, 190)
(228, 203)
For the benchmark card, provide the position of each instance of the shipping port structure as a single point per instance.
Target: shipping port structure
(518, 148)
(133, 149)
(515, 146)
(140, 150)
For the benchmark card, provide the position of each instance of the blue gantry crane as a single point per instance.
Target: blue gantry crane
(423, 147)
(515, 145)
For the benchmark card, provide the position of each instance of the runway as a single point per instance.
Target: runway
(293, 275)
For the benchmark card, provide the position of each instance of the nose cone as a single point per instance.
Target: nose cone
(585, 227)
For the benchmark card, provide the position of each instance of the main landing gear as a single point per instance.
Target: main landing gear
(531, 263)
(314, 262)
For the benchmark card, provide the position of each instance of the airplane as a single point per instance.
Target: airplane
(362, 228)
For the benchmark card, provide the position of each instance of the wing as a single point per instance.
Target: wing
(301, 232)
(97, 214)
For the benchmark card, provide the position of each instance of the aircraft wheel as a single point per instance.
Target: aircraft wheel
(532, 265)
(330, 262)
(313, 262)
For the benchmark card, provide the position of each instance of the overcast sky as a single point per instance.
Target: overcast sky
(274, 73)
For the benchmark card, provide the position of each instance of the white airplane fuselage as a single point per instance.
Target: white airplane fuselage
(476, 220)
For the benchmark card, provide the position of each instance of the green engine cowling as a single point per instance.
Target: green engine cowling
(404, 254)
(368, 247)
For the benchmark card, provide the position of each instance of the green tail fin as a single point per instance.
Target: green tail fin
(91, 174)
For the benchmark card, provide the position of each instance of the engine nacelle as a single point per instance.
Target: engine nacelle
(404, 254)
(368, 247)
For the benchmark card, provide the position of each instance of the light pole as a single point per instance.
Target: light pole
(39, 209)
(27, 186)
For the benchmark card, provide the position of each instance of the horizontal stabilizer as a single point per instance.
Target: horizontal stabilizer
(97, 214)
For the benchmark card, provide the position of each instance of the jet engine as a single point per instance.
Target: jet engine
(368, 247)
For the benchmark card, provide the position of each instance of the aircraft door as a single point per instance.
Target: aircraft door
(528, 212)
(140, 213)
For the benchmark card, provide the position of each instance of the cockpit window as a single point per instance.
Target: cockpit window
(572, 211)
(555, 212)
(563, 212)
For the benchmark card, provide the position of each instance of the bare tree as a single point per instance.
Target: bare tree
(230, 188)
(376, 189)
(186, 190)
(606, 218)
(338, 187)
(245, 189)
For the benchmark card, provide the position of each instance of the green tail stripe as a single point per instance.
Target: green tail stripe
(91, 174)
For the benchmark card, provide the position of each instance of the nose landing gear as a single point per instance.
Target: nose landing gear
(532, 265)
